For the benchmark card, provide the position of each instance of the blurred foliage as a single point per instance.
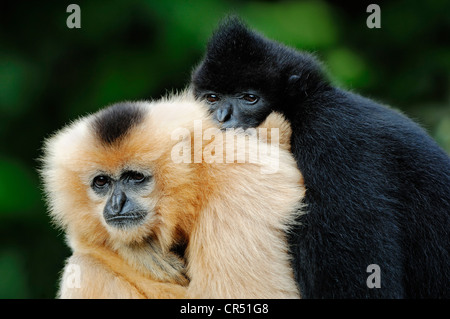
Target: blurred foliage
(128, 50)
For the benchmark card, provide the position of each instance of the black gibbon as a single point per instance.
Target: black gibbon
(115, 183)
(377, 185)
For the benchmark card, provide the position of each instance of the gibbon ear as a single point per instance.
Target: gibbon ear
(297, 83)
(293, 79)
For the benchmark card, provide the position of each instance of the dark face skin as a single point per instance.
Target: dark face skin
(244, 109)
(121, 209)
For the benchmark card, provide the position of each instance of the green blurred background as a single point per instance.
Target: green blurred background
(128, 50)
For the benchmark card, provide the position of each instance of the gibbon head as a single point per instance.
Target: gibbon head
(244, 76)
(109, 177)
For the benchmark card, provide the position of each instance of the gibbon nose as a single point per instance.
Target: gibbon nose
(224, 113)
(117, 202)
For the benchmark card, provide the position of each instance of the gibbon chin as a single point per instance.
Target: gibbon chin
(135, 179)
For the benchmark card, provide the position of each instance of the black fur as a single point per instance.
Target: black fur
(113, 123)
(378, 187)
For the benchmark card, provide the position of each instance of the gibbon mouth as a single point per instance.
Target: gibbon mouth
(128, 220)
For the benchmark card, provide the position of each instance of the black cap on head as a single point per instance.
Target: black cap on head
(115, 121)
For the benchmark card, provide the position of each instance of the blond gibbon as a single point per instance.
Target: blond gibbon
(133, 180)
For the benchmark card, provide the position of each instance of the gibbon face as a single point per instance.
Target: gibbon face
(110, 178)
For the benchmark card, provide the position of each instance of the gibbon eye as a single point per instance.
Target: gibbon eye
(136, 177)
(101, 181)
(211, 98)
(250, 98)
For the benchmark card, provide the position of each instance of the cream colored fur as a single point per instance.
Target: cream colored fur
(234, 217)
